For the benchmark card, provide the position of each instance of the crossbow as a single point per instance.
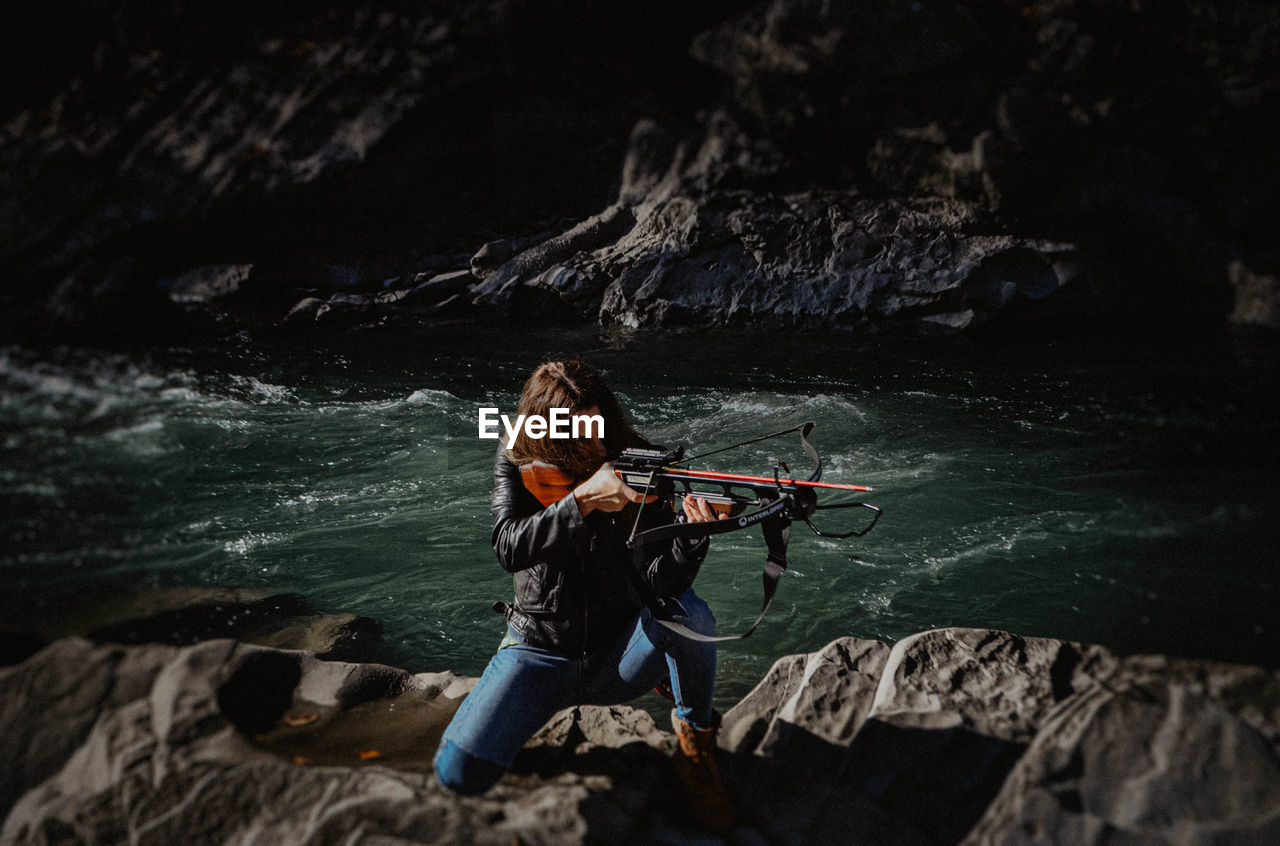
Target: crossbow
(740, 501)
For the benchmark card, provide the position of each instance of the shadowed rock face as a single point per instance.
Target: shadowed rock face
(866, 166)
(977, 736)
(955, 735)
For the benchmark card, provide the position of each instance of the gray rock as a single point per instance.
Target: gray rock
(955, 735)
(455, 306)
(758, 217)
(180, 616)
(162, 138)
(491, 256)
(991, 683)
(306, 310)
(1135, 136)
(530, 281)
(223, 742)
(1013, 739)
(683, 248)
(332, 637)
(1257, 297)
(183, 750)
(348, 301)
(50, 703)
(203, 284)
(807, 702)
(1157, 751)
(433, 289)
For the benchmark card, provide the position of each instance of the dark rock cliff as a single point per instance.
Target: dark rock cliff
(924, 166)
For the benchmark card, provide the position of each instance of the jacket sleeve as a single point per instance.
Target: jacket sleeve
(672, 569)
(525, 533)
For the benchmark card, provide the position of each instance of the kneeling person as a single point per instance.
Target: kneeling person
(578, 633)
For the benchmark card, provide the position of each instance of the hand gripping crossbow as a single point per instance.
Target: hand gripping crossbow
(742, 501)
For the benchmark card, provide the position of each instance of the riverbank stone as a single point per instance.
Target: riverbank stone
(927, 168)
(182, 616)
(948, 736)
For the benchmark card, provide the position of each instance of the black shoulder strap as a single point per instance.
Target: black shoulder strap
(776, 526)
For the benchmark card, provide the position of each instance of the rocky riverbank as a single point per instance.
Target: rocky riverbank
(923, 167)
(954, 735)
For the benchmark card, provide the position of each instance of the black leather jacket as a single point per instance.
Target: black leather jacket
(573, 594)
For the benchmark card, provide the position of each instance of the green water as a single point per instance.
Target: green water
(1122, 494)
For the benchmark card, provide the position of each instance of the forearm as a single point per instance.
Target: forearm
(674, 571)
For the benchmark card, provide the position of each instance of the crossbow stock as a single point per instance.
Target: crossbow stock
(741, 501)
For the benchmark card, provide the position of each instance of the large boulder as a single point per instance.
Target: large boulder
(1159, 751)
(682, 253)
(954, 735)
(224, 742)
(986, 737)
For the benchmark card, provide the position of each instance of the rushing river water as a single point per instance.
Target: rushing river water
(1125, 496)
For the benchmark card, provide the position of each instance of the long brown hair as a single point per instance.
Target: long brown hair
(576, 386)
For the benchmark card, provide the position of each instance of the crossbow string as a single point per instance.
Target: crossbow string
(778, 501)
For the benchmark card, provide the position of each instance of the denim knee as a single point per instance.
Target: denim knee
(697, 614)
(465, 774)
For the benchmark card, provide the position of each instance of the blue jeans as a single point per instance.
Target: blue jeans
(524, 686)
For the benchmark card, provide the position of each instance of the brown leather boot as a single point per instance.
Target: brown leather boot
(697, 772)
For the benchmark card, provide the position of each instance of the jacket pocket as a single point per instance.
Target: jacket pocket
(539, 589)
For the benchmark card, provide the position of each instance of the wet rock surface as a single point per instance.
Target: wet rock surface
(954, 735)
(180, 616)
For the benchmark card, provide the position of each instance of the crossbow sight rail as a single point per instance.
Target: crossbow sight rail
(655, 472)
